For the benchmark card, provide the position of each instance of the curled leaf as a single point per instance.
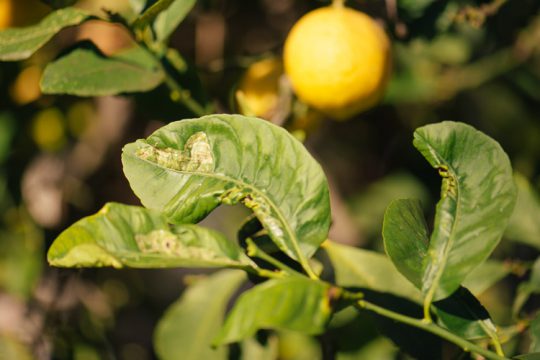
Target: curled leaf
(188, 168)
(121, 235)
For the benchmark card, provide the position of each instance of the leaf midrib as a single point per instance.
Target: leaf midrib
(451, 237)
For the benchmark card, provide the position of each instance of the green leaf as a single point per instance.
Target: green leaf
(189, 167)
(21, 43)
(169, 19)
(294, 303)
(477, 198)
(464, 315)
(355, 267)
(534, 333)
(121, 235)
(406, 239)
(87, 72)
(524, 225)
(485, 276)
(189, 325)
(461, 313)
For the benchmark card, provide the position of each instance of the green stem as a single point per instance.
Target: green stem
(338, 3)
(179, 95)
(432, 328)
(151, 13)
(264, 273)
(254, 251)
(182, 96)
(427, 307)
(497, 345)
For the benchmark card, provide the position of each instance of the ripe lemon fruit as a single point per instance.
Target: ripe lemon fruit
(338, 60)
(5, 13)
(258, 89)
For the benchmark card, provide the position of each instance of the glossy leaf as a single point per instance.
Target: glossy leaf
(121, 235)
(465, 316)
(169, 19)
(524, 225)
(21, 43)
(406, 238)
(87, 72)
(187, 168)
(477, 199)
(355, 267)
(189, 325)
(294, 303)
(485, 276)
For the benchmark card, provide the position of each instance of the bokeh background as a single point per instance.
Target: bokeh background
(466, 60)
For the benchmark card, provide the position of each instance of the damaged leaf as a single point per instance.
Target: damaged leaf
(122, 235)
(188, 168)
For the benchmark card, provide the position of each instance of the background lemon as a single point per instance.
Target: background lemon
(337, 60)
(258, 90)
(5, 13)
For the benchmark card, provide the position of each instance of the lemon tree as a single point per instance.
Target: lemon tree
(338, 60)
(280, 285)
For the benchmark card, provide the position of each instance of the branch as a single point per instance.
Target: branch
(430, 327)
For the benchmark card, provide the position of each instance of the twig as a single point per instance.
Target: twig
(254, 251)
(430, 327)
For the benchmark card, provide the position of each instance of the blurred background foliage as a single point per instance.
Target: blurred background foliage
(467, 60)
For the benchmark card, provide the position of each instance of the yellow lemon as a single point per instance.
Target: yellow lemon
(16, 13)
(258, 89)
(338, 60)
(5, 13)
(26, 89)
